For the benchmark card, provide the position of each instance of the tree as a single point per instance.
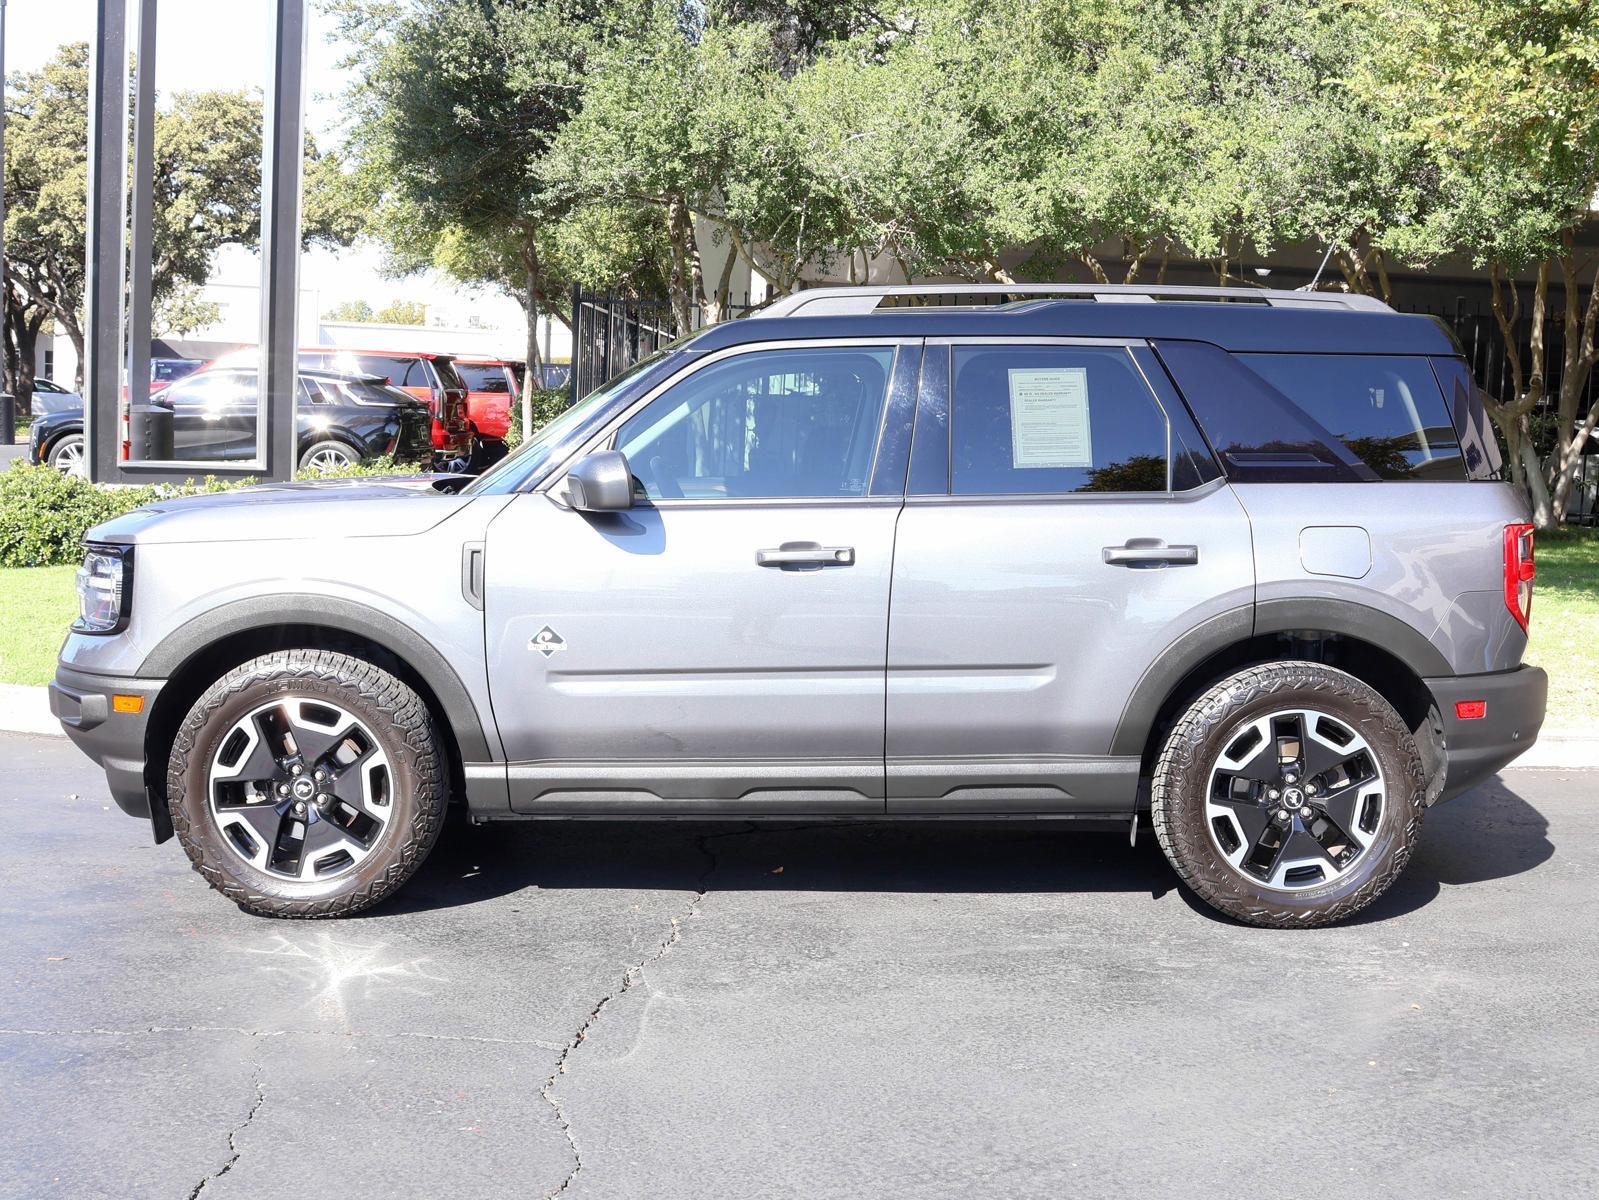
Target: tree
(350, 310)
(182, 310)
(454, 105)
(1499, 95)
(402, 312)
(206, 186)
(679, 123)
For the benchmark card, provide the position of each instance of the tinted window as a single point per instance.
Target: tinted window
(772, 424)
(449, 377)
(1387, 410)
(173, 368)
(400, 371)
(1479, 448)
(1259, 434)
(1034, 419)
(212, 388)
(483, 379)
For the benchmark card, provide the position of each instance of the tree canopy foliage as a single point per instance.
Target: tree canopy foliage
(655, 145)
(207, 195)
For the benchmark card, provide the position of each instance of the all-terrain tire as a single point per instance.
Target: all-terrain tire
(403, 727)
(1183, 772)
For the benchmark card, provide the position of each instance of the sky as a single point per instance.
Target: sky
(200, 44)
(206, 44)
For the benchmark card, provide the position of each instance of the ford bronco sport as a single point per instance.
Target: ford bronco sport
(1241, 559)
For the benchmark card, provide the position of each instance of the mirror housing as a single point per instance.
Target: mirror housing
(600, 482)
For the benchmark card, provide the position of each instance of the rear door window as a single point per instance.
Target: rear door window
(1387, 410)
(483, 378)
(1028, 420)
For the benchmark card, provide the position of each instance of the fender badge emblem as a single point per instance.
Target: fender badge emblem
(546, 641)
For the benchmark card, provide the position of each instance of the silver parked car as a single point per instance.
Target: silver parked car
(1244, 564)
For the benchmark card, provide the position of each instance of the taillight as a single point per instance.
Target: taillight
(1519, 572)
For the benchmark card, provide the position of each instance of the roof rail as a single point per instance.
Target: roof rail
(829, 301)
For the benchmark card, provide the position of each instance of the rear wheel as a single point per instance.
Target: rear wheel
(330, 455)
(307, 784)
(1289, 794)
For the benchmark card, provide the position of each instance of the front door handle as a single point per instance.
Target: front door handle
(806, 554)
(1151, 552)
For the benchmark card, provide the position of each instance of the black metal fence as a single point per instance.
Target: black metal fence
(610, 333)
(1484, 343)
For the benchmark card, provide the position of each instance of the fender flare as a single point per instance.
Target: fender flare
(1210, 637)
(264, 612)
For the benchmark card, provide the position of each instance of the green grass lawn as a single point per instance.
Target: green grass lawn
(37, 604)
(1565, 627)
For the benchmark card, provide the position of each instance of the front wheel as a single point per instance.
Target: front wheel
(307, 784)
(1289, 794)
(68, 455)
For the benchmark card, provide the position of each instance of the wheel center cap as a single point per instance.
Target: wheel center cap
(1292, 797)
(303, 788)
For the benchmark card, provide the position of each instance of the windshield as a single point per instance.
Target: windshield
(527, 458)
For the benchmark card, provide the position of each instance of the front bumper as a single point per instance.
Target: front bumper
(82, 701)
(1475, 749)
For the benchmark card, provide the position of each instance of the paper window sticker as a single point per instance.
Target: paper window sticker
(1049, 418)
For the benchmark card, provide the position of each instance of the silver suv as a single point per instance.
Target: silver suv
(1241, 560)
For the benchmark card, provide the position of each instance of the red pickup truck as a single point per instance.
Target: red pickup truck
(491, 390)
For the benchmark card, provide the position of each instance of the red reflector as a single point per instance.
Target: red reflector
(1471, 710)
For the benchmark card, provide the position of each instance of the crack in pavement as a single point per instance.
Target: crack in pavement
(233, 1134)
(629, 977)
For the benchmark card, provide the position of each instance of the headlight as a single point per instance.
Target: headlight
(105, 589)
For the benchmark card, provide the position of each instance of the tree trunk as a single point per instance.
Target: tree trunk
(1538, 493)
(75, 335)
(533, 375)
(688, 275)
(1526, 386)
(1571, 429)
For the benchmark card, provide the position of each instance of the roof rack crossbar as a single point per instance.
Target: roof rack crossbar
(850, 301)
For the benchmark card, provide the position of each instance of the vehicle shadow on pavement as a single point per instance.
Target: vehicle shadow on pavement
(1487, 834)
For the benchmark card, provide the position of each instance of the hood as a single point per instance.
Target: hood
(291, 511)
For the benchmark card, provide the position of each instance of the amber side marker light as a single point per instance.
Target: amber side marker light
(1471, 710)
(135, 704)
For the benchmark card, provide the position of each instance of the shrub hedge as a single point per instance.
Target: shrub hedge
(548, 403)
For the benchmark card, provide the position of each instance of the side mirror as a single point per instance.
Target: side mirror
(600, 482)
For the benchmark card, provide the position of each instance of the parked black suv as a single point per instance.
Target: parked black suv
(342, 419)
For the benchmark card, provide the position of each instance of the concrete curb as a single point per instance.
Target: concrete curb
(27, 710)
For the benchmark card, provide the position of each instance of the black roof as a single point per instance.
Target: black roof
(1232, 326)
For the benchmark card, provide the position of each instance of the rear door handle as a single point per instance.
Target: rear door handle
(806, 554)
(1151, 552)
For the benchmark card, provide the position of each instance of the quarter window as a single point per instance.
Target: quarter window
(1051, 419)
(775, 424)
(1387, 410)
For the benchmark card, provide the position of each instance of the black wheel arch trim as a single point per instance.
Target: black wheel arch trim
(347, 616)
(1217, 633)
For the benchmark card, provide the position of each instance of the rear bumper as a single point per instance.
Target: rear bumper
(82, 703)
(1475, 749)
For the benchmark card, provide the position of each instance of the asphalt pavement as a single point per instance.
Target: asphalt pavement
(623, 1010)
